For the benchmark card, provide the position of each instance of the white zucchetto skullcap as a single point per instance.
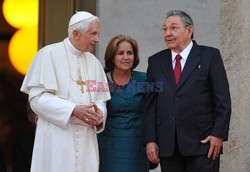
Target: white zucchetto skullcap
(79, 16)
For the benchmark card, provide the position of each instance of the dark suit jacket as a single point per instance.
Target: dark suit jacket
(199, 106)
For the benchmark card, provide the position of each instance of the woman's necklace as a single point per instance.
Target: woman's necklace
(123, 84)
(80, 81)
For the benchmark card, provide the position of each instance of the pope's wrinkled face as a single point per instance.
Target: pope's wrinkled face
(176, 34)
(86, 41)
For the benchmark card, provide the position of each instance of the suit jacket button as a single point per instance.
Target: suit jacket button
(176, 98)
(173, 118)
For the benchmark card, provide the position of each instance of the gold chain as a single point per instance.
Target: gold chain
(80, 81)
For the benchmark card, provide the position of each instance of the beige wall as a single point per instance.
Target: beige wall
(54, 16)
(53, 20)
(235, 49)
(143, 20)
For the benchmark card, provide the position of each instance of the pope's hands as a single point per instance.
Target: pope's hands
(152, 152)
(90, 114)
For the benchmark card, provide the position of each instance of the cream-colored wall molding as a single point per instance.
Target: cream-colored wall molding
(53, 20)
(54, 16)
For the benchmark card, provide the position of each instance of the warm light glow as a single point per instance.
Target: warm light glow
(21, 13)
(22, 48)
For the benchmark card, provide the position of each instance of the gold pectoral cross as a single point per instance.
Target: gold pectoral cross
(81, 83)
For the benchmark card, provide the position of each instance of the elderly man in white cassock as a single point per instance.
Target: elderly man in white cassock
(70, 110)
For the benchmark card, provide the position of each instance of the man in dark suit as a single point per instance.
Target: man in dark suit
(185, 125)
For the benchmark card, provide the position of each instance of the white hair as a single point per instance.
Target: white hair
(82, 25)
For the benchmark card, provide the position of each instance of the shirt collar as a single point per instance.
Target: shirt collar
(71, 48)
(184, 54)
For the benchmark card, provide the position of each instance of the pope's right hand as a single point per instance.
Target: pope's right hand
(87, 114)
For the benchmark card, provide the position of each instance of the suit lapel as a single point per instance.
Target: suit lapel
(167, 68)
(193, 59)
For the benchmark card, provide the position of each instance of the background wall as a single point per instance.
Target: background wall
(143, 20)
(235, 43)
(220, 23)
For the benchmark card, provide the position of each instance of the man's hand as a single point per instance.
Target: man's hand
(90, 114)
(215, 146)
(152, 152)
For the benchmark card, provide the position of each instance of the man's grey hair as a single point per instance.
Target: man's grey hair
(82, 25)
(185, 18)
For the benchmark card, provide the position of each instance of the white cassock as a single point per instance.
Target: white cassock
(64, 144)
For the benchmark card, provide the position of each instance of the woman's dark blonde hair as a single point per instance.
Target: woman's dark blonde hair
(112, 47)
